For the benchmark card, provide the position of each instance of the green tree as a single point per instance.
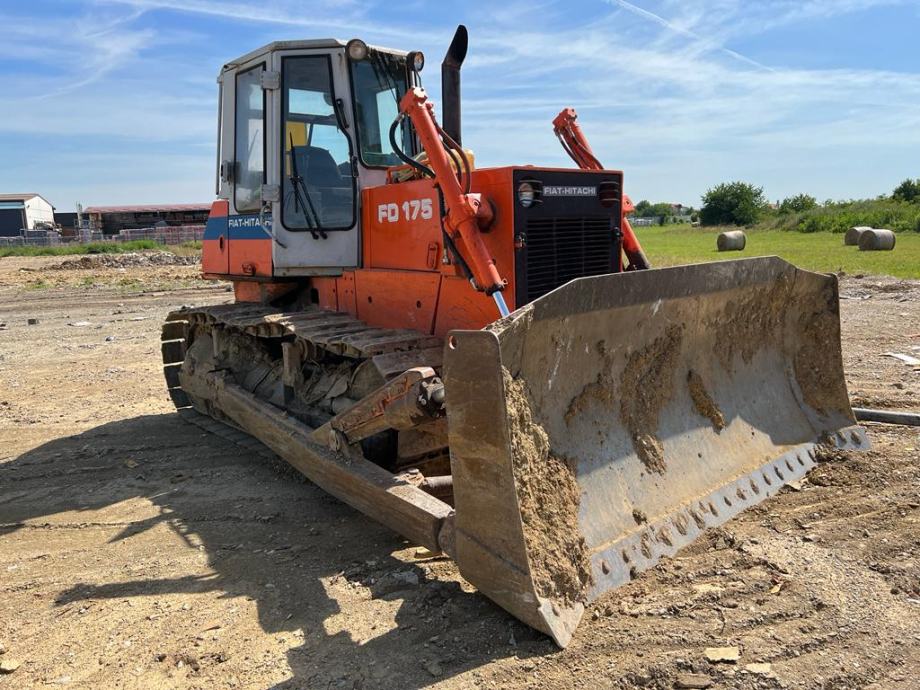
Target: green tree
(661, 209)
(798, 203)
(908, 190)
(642, 209)
(732, 203)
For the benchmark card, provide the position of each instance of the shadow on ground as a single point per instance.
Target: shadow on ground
(272, 537)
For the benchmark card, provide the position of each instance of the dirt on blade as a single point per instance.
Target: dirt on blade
(749, 323)
(703, 402)
(548, 494)
(819, 333)
(646, 386)
(138, 551)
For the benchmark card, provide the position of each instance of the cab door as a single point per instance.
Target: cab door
(312, 164)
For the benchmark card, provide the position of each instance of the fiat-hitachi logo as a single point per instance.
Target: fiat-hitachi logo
(550, 190)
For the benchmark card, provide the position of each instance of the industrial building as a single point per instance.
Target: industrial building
(111, 220)
(27, 211)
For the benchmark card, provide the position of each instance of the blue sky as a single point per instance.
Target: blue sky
(114, 101)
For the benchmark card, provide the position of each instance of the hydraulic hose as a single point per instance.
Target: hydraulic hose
(467, 168)
(424, 169)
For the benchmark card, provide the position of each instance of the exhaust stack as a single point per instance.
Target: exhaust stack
(450, 83)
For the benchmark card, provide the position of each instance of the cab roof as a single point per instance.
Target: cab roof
(299, 45)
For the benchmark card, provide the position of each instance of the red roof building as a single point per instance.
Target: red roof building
(113, 219)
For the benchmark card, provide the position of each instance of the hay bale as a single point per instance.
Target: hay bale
(875, 239)
(851, 239)
(731, 241)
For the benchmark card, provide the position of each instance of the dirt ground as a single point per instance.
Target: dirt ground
(138, 551)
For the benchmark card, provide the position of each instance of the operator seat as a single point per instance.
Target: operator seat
(330, 192)
(317, 167)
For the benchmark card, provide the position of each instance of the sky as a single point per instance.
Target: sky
(114, 101)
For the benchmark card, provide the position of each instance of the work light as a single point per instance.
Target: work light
(356, 49)
(525, 193)
(416, 60)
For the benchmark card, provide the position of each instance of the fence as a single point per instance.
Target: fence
(168, 235)
(48, 238)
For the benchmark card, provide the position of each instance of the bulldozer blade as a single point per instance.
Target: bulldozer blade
(608, 423)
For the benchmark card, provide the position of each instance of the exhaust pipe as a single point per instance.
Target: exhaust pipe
(450, 83)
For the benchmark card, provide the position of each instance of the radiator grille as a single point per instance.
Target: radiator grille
(561, 249)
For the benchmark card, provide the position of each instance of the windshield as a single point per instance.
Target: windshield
(379, 83)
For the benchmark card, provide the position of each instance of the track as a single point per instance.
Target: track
(312, 363)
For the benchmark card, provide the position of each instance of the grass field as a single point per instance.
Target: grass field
(100, 248)
(665, 246)
(818, 251)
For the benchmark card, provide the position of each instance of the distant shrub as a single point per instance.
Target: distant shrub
(798, 203)
(90, 248)
(840, 216)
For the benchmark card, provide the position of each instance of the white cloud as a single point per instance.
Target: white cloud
(666, 90)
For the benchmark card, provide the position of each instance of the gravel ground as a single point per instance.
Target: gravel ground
(137, 551)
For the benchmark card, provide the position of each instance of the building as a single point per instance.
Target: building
(27, 211)
(113, 219)
(67, 222)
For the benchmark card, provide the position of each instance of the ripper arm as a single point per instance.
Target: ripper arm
(575, 143)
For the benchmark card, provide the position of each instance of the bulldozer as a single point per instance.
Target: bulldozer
(477, 357)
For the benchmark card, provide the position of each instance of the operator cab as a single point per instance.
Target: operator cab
(304, 126)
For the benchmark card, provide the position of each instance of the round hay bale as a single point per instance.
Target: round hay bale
(731, 241)
(874, 239)
(851, 239)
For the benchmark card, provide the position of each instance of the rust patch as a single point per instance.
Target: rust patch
(647, 384)
(549, 497)
(703, 402)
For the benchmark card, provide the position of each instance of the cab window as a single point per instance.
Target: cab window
(249, 140)
(317, 181)
(379, 82)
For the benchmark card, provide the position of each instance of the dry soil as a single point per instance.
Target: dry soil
(137, 551)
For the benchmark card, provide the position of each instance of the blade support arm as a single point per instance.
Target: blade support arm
(465, 212)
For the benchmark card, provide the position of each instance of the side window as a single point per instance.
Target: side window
(317, 182)
(220, 124)
(249, 140)
(387, 110)
(378, 83)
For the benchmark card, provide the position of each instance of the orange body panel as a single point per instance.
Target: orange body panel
(407, 278)
(402, 232)
(215, 248)
(398, 235)
(235, 245)
(326, 293)
(460, 306)
(346, 294)
(260, 291)
(392, 241)
(398, 299)
(250, 257)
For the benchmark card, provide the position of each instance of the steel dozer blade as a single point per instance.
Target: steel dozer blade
(608, 423)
